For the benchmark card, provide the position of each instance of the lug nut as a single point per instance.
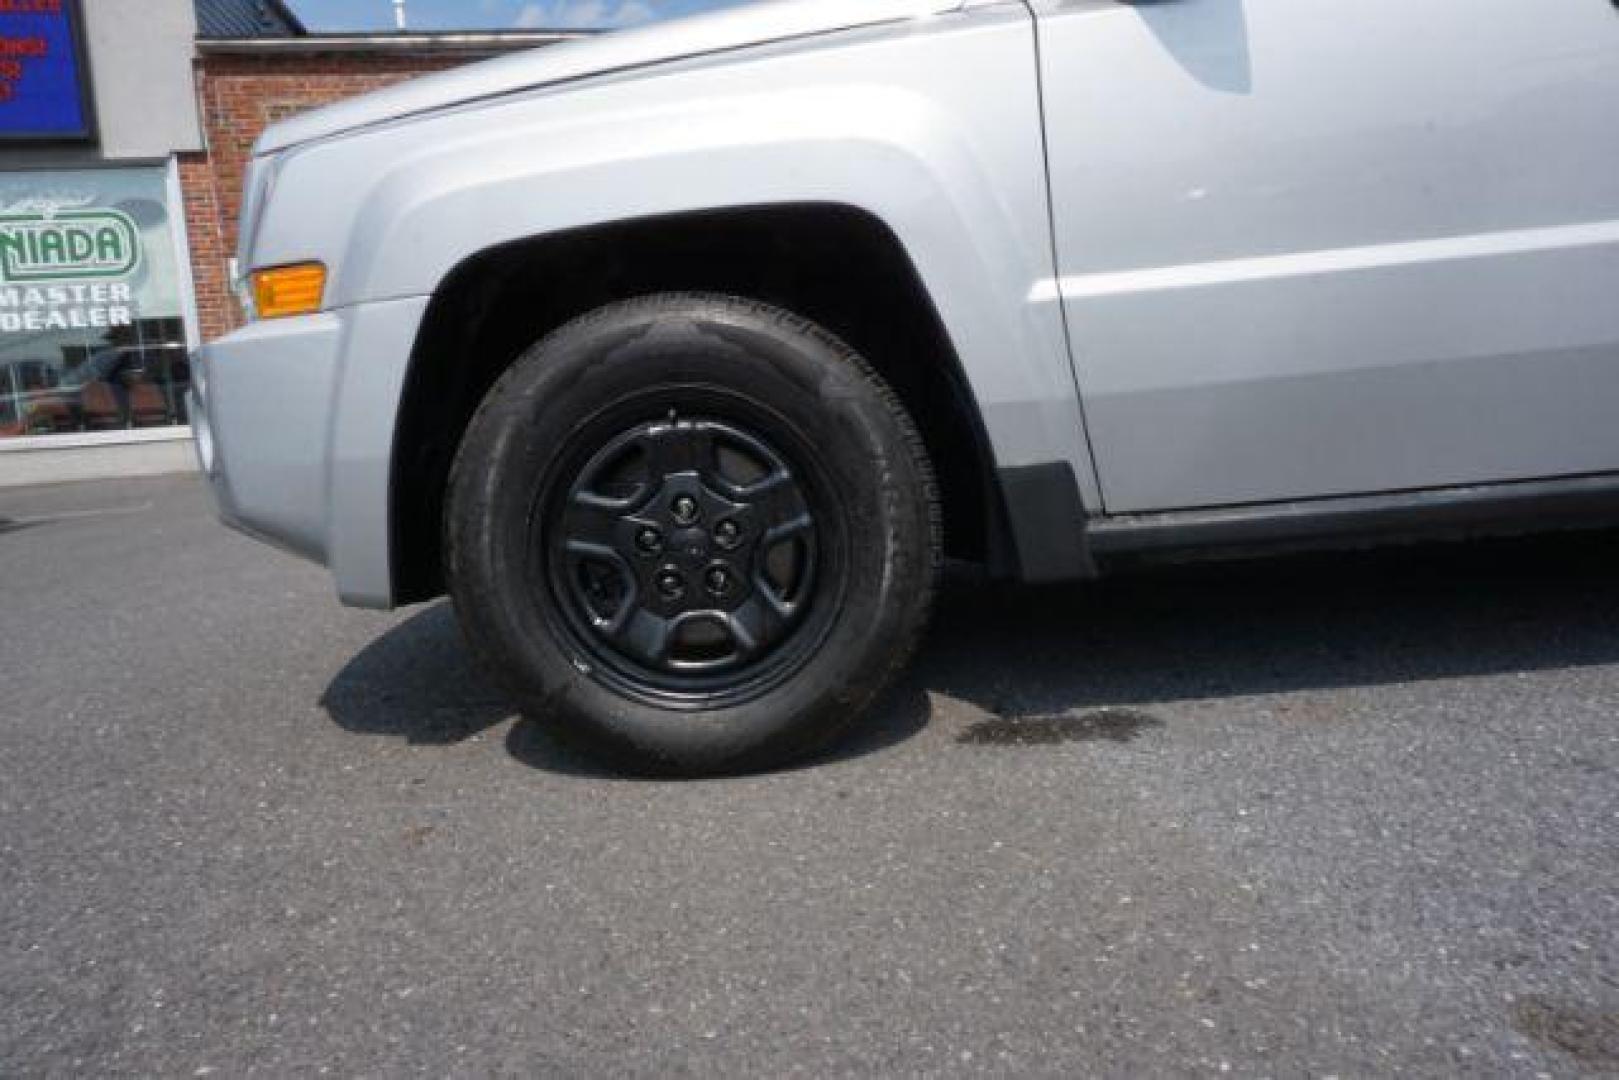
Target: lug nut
(649, 540)
(727, 533)
(685, 509)
(718, 580)
(671, 585)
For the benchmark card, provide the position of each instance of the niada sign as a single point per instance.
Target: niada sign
(88, 259)
(72, 245)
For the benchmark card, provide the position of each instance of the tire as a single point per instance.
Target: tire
(695, 533)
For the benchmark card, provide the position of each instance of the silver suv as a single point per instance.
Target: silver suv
(681, 358)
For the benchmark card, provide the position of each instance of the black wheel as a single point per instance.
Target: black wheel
(695, 532)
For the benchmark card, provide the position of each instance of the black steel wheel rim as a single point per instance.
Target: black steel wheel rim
(689, 556)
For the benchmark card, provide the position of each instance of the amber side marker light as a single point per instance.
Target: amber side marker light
(289, 290)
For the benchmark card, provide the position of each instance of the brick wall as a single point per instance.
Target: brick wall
(240, 96)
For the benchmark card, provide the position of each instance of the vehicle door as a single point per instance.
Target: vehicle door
(1329, 247)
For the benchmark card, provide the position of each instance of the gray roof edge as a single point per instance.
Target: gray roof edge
(444, 42)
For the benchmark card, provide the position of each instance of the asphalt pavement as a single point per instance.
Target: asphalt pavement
(1345, 815)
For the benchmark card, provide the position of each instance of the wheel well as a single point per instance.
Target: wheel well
(837, 266)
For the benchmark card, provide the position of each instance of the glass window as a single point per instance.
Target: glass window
(92, 336)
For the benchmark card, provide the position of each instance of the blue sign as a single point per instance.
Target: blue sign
(42, 80)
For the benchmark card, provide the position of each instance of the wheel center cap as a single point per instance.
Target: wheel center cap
(690, 546)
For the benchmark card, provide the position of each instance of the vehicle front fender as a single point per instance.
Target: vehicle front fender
(933, 128)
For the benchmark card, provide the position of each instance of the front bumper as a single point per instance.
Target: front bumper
(262, 404)
(294, 422)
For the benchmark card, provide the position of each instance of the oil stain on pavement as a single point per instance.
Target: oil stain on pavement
(1590, 1036)
(1102, 725)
